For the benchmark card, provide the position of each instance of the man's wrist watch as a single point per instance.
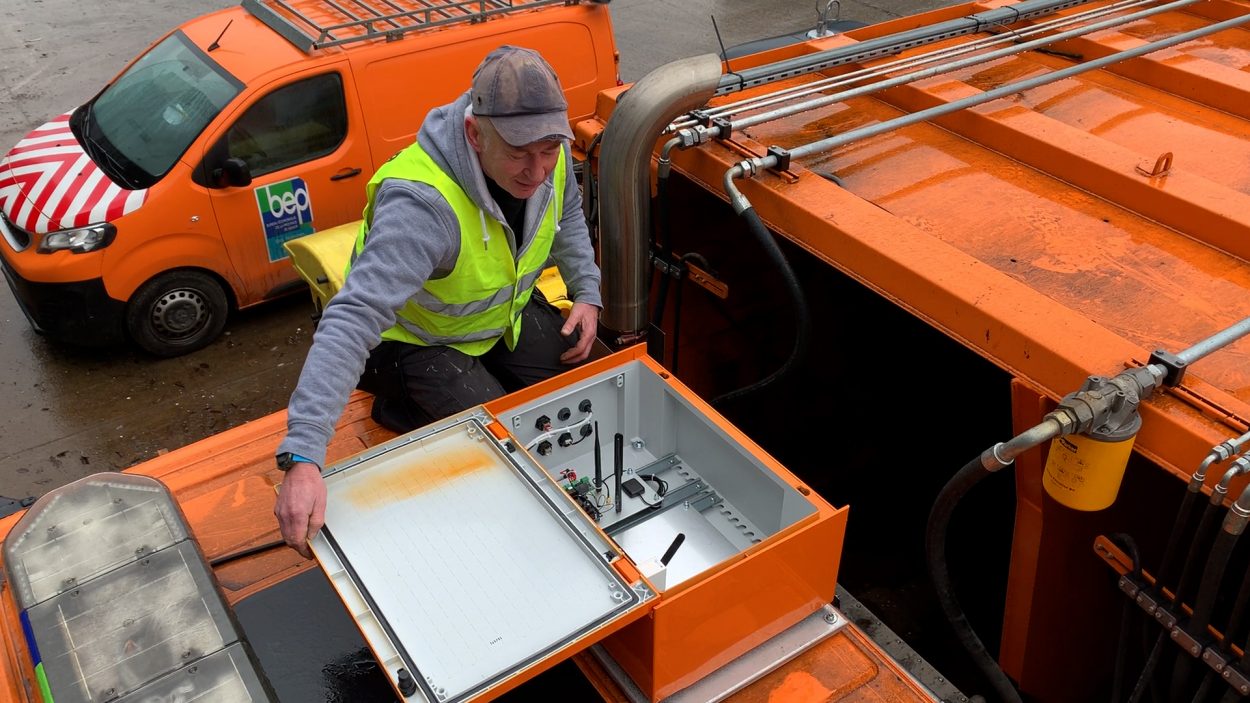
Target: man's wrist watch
(286, 460)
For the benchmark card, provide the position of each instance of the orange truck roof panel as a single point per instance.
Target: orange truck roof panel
(1031, 228)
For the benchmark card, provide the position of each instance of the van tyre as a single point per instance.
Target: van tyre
(177, 313)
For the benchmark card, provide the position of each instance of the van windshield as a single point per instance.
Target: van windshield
(139, 126)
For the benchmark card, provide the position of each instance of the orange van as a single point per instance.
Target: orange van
(164, 202)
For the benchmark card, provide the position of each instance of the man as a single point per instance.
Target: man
(456, 230)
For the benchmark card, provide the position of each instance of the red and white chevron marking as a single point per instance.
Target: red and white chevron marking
(48, 183)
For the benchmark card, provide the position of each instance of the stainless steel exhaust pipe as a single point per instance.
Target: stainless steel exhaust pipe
(641, 114)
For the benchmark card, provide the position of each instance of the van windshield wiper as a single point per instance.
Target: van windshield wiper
(100, 153)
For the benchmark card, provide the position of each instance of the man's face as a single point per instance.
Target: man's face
(517, 169)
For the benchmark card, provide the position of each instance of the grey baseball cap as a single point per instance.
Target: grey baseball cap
(520, 93)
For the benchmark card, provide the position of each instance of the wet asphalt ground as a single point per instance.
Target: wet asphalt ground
(68, 412)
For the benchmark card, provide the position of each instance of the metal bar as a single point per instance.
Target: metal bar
(673, 498)
(373, 11)
(913, 76)
(1005, 90)
(403, 20)
(430, 7)
(780, 96)
(465, 6)
(890, 44)
(342, 10)
(1225, 337)
(284, 27)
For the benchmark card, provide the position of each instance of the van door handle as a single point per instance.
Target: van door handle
(345, 173)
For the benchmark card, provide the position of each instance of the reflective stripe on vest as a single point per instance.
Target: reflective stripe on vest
(482, 299)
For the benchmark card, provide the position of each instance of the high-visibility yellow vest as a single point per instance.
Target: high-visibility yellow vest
(481, 300)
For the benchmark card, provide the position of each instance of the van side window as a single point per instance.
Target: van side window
(295, 123)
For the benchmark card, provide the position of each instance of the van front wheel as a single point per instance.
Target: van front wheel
(177, 313)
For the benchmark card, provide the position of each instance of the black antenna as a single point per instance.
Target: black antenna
(216, 42)
(598, 458)
(618, 459)
(724, 55)
(672, 548)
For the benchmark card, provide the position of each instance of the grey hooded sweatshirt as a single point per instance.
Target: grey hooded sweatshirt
(415, 237)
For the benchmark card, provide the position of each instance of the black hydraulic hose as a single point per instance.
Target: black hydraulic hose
(1207, 527)
(798, 301)
(1204, 606)
(681, 284)
(935, 555)
(1237, 619)
(1127, 612)
(1204, 689)
(662, 242)
(1147, 674)
(592, 191)
(1171, 561)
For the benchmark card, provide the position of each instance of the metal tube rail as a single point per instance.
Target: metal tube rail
(776, 97)
(1220, 339)
(825, 145)
(890, 44)
(921, 74)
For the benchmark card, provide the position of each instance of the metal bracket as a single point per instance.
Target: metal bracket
(1174, 365)
(702, 117)
(782, 156)
(707, 281)
(1163, 165)
(1187, 642)
(667, 266)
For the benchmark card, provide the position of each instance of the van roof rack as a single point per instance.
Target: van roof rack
(316, 24)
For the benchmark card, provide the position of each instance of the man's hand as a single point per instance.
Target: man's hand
(584, 318)
(301, 507)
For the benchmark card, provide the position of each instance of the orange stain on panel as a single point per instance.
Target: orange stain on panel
(419, 473)
(800, 686)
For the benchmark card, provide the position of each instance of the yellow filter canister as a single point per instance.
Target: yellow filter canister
(1084, 472)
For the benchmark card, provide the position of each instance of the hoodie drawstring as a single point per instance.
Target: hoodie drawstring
(485, 234)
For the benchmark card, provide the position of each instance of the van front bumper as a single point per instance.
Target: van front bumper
(80, 312)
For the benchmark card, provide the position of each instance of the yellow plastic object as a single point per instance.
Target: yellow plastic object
(1084, 473)
(553, 290)
(321, 259)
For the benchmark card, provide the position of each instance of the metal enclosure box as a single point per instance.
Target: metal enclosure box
(478, 551)
(770, 547)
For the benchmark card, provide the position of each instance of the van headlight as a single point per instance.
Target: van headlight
(80, 240)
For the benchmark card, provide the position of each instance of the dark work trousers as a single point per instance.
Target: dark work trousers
(416, 385)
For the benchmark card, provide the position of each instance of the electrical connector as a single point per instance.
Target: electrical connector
(565, 439)
(543, 423)
(564, 414)
(544, 447)
(584, 406)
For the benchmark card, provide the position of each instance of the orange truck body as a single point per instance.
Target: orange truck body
(966, 273)
(224, 486)
(307, 166)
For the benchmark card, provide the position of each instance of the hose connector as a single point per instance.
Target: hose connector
(993, 459)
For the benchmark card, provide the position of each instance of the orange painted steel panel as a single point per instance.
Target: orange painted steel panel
(967, 239)
(715, 619)
(845, 668)
(17, 671)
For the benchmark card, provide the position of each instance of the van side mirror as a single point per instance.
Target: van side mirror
(232, 172)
